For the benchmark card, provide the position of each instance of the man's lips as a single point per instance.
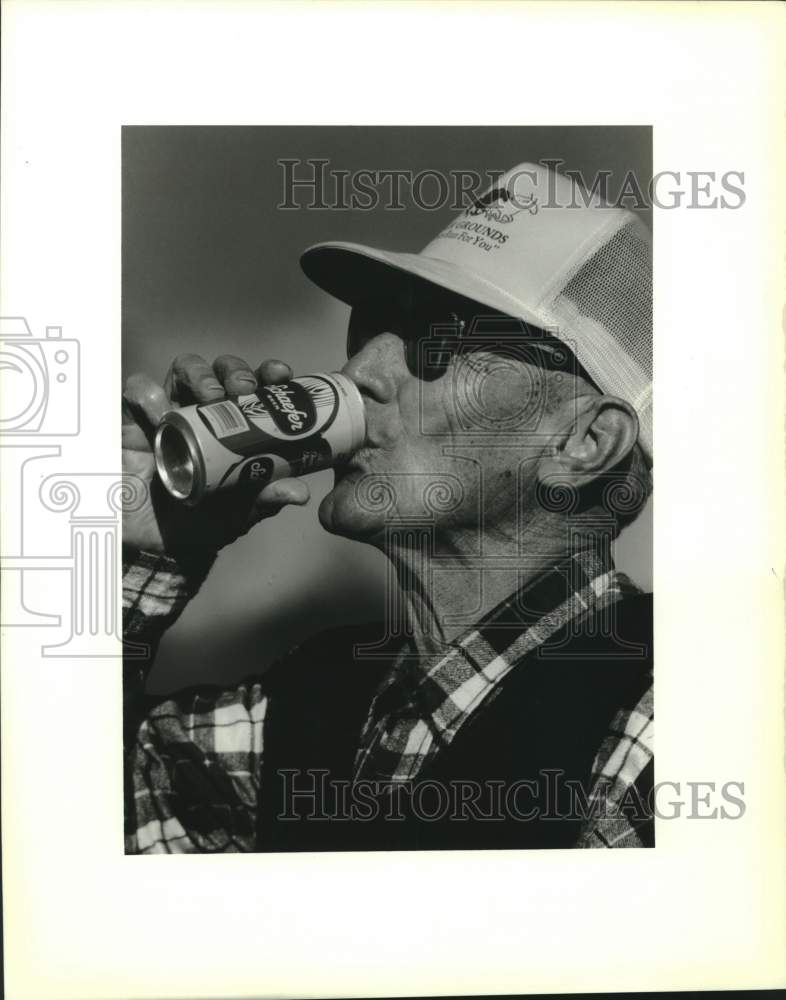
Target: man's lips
(359, 464)
(356, 462)
(351, 468)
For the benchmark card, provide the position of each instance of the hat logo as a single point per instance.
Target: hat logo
(493, 205)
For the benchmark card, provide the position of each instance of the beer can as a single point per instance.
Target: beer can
(292, 428)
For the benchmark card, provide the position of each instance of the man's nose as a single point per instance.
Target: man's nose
(378, 367)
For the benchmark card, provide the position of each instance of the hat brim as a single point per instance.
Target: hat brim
(352, 273)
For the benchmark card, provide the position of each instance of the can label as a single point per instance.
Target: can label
(291, 407)
(258, 471)
(224, 419)
(272, 414)
(288, 429)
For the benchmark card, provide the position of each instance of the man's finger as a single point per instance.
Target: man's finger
(272, 371)
(133, 437)
(143, 396)
(280, 494)
(192, 380)
(235, 374)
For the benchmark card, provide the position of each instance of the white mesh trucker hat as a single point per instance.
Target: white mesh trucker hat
(537, 247)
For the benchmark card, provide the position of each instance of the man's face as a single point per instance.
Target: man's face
(455, 423)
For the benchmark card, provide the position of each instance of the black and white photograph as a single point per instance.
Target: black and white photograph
(391, 428)
(436, 344)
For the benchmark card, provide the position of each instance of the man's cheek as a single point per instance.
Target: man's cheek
(423, 409)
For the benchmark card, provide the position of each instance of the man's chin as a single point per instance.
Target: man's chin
(340, 514)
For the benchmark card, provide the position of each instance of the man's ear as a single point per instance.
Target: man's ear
(601, 436)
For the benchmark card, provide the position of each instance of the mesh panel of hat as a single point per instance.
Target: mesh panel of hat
(614, 288)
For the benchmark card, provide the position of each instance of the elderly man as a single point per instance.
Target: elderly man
(506, 373)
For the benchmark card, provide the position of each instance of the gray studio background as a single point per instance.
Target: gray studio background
(210, 265)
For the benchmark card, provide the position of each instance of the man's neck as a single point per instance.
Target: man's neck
(447, 585)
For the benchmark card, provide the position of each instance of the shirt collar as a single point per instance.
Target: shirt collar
(569, 588)
(422, 704)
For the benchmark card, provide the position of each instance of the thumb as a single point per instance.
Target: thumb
(281, 494)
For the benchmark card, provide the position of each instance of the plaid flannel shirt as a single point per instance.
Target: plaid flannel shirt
(193, 760)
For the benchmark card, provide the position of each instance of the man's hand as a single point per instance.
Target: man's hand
(162, 524)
